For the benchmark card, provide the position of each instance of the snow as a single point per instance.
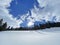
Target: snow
(40, 37)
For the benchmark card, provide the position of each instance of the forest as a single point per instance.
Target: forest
(3, 26)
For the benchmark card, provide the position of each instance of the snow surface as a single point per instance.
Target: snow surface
(40, 37)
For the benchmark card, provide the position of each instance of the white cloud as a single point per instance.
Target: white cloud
(23, 17)
(51, 10)
(52, 7)
(4, 13)
(30, 24)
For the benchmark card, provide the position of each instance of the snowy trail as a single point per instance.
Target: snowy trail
(42, 37)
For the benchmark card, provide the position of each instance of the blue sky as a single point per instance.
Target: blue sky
(27, 12)
(20, 7)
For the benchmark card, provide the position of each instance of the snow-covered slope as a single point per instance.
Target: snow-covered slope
(41, 37)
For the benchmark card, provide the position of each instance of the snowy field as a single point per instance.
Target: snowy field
(43, 37)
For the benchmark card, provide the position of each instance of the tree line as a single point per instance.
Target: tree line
(3, 26)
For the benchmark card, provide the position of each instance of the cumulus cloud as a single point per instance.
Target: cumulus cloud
(4, 14)
(50, 12)
(51, 9)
